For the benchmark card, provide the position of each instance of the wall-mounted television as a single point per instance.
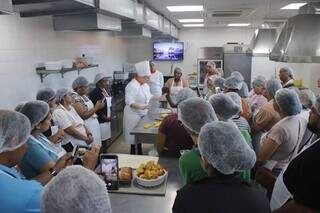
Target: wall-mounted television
(166, 51)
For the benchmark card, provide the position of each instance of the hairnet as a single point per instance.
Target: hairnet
(316, 105)
(195, 112)
(218, 82)
(36, 111)
(46, 95)
(223, 146)
(307, 98)
(233, 83)
(14, 130)
(238, 75)
(80, 81)
(272, 86)
(287, 70)
(75, 190)
(184, 94)
(143, 68)
(224, 106)
(244, 91)
(61, 93)
(288, 101)
(211, 64)
(302, 178)
(99, 77)
(236, 99)
(259, 81)
(19, 106)
(177, 69)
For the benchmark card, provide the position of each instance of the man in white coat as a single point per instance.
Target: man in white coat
(155, 81)
(137, 94)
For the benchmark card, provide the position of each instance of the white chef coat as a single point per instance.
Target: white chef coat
(156, 83)
(138, 94)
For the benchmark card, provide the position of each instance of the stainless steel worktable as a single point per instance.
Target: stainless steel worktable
(143, 135)
(129, 203)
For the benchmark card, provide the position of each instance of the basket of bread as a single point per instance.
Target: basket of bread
(150, 174)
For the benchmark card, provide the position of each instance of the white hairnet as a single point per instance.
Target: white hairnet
(36, 111)
(99, 77)
(307, 98)
(236, 99)
(316, 105)
(218, 82)
(195, 112)
(272, 86)
(184, 94)
(244, 91)
(46, 95)
(224, 106)
(233, 83)
(177, 69)
(143, 68)
(61, 93)
(287, 70)
(75, 190)
(15, 129)
(259, 81)
(238, 75)
(80, 81)
(288, 101)
(223, 146)
(211, 64)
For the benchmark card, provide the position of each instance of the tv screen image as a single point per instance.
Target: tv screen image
(168, 51)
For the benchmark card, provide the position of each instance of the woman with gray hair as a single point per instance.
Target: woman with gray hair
(224, 154)
(286, 77)
(256, 99)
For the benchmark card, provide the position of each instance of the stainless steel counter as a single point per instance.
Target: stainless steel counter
(125, 203)
(143, 135)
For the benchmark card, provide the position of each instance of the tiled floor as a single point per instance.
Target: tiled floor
(119, 146)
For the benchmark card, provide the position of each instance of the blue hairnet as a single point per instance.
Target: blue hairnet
(218, 82)
(36, 111)
(224, 106)
(244, 91)
(223, 146)
(236, 99)
(195, 112)
(238, 75)
(287, 70)
(61, 93)
(80, 81)
(184, 94)
(45, 95)
(288, 101)
(259, 81)
(272, 86)
(233, 83)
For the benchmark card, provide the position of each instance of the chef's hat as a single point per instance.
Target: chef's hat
(143, 68)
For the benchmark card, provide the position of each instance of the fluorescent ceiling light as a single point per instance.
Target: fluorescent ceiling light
(199, 20)
(239, 24)
(193, 25)
(293, 6)
(185, 8)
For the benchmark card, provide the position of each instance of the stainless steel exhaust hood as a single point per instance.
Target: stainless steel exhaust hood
(263, 41)
(5, 7)
(299, 41)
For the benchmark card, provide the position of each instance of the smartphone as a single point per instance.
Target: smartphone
(110, 170)
(79, 151)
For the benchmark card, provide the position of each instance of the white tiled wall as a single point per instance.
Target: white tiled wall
(25, 42)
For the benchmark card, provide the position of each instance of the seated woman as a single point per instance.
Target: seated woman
(85, 108)
(172, 137)
(192, 120)
(224, 153)
(256, 99)
(66, 117)
(282, 140)
(40, 161)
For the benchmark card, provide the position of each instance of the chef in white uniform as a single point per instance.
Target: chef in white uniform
(137, 94)
(155, 81)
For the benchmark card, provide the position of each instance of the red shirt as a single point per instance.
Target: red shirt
(177, 137)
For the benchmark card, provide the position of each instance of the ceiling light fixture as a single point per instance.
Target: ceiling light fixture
(199, 20)
(293, 6)
(187, 8)
(193, 25)
(239, 24)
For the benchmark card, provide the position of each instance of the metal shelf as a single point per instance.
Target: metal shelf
(42, 72)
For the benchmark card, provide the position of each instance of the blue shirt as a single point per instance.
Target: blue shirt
(17, 194)
(38, 154)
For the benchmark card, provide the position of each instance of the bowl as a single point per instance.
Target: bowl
(153, 182)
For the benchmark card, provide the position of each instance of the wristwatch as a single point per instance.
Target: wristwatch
(53, 172)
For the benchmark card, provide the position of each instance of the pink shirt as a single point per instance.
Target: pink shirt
(256, 101)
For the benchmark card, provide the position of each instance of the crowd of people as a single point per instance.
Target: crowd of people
(239, 150)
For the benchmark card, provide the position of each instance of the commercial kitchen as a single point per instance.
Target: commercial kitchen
(138, 106)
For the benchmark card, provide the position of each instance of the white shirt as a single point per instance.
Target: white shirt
(156, 83)
(139, 94)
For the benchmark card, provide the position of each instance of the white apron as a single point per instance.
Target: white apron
(105, 127)
(78, 124)
(92, 123)
(174, 90)
(131, 117)
(155, 84)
